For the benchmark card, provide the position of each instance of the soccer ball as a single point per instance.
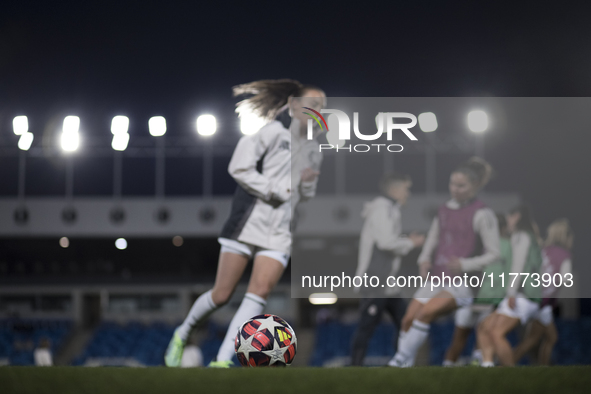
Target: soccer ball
(265, 341)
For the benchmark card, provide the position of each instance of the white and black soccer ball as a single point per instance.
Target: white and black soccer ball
(265, 341)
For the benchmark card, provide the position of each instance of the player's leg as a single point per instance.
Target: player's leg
(230, 268)
(548, 342)
(464, 322)
(371, 313)
(484, 340)
(406, 319)
(533, 335)
(503, 325)
(397, 307)
(411, 312)
(440, 305)
(460, 337)
(509, 316)
(479, 316)
(266, 272)
(416, 335)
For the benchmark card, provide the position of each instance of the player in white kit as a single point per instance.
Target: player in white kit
(259, 226)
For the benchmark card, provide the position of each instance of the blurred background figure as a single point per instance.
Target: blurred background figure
(556, 258)
(380, 249)
(488, 298)
(42, 354)
(462, 224)
(523, 297)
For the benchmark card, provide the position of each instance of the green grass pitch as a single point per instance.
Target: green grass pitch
(420, 380)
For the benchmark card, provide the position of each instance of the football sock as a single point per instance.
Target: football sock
(477, 355)
(411, 361)
(410, 343)
(202, 308)
(251, 305)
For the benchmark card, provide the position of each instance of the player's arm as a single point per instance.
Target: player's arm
(565, 268)
(430, 242)
(386, 228)
(242, 167)
(485, 224)
(308, 182)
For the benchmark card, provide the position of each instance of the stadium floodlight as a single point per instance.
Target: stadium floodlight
(177, 241)
(119, 125)
(120, 141)
(20, 125)
(64, 242)
(206, 125)
(157, 126)
(25, 141)
(121, 243)
(322, 298)
(71, 124)
(477, 121)
(70, 141)
(70, 138)
(427, 122)
(250, 123)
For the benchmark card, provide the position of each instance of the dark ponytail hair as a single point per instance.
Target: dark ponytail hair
(269, 95)
(477, 170)
(526, 222)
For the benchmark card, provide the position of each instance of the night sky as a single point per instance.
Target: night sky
(176, 59)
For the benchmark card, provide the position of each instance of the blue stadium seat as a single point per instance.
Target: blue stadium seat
(144, 343)
(18, 338)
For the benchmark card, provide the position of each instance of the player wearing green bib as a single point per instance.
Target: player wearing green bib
(522, 299)
(556, 259)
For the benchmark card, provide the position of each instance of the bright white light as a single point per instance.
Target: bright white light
(477, 121)
(70, 141)
(121, 243)
(24, 143)
(64, 242)
(120, 125)
(20, 125)
(323, 298)
(120, 141)
(206, 125)
(71, 124)
(428, 122)
(70, 138)
(157, 126)
(250, 123)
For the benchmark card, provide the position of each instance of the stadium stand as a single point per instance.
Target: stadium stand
(19, 338)
(138, 344)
